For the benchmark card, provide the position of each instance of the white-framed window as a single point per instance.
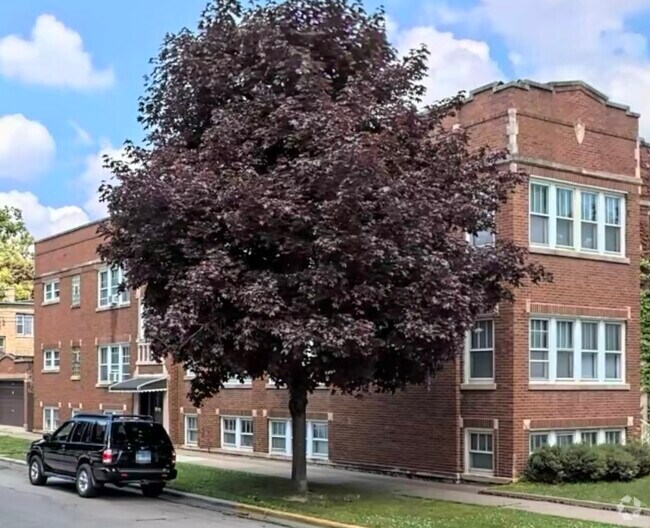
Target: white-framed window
(280, 437)
(74, 412)
(234, 383)
(482, 238)
(237, 433)
(317, 439)
(565, 216)
(562, 438)
(112, 412)
(576, 350)
(51, 293)
(50, 419)
(114, 363)
(75, 287)
(2, 344)
(109, 280)
(24, 325)
(480, 352)
(51, 360)
(191, 430)
(75, 358)
(480, 451)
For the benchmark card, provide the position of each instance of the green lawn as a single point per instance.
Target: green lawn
(11, 447)
(611, 492)
(353, 506)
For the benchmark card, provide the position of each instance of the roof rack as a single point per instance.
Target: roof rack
(111, 417)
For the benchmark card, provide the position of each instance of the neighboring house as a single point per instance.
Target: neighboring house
(16, 357)
(559, 365)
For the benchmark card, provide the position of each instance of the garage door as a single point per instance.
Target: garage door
(11, 403)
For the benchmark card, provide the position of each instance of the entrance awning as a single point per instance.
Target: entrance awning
(142, 384)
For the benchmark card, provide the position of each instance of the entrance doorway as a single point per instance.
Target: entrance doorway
(151, 403)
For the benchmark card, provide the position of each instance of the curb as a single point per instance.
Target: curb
(237, 508)
(256, 511)
(13, 461)
(594, 505)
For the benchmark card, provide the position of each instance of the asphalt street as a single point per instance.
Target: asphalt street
(58, 506)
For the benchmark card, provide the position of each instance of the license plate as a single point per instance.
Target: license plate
(143, 457)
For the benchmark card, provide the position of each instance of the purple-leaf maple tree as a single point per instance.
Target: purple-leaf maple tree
(296, 214)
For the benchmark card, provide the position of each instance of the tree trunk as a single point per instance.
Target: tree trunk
(298, 409)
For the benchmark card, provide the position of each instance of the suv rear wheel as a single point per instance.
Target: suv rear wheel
(36, 476)
(84, 482)
(152, 490)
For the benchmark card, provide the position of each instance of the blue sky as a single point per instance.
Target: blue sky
(71, 73)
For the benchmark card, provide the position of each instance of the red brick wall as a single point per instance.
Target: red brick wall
(62, 326)
(545, 122)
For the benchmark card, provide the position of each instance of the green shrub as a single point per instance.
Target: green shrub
(620, 464)
(641, 453)
(582, 463)
(545, 465)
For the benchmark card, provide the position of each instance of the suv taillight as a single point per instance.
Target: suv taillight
(107, 456)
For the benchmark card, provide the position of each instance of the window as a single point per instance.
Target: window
(539, 213)
(191, 430)
(50, 418)
(237, 433)
(95, 433)
(613, 437)
(538, 440)
(564, 438)
(481, 351)
(577, 219)
(63, 434)
(51, 292)
(280, 437)
(79, 431)
(317, 439)
(109, 283)
(112, 412)
(233, 382)
(114, 363)
(613, 352)
(24, 325)
(480, 452)
(75, 294)
(76, 362)
(564, 350)
(51, 360)
(2, 344)
(482, 238)
(74, 412)
(589, 437)
(539, 351)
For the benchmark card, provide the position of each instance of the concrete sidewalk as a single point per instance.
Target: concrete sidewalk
(464, 493)
(18, 432)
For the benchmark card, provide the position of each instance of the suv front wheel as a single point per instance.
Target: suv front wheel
(84, 482)
(36, 476)
(152, 490)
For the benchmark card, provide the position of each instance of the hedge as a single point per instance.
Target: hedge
(582, 463)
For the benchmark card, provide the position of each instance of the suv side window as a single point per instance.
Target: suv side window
(63, 433)
(78, 432)
(97, 432)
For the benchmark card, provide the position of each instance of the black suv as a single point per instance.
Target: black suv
(94, 450)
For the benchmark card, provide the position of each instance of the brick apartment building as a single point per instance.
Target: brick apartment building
(16, 357)
(559, 365)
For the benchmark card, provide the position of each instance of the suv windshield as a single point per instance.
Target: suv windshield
(139, 434)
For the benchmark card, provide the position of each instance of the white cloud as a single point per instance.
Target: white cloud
(549, 40)
(82, 136)
(42, 220)
(54, 55)
(93, 176)
(26, 147)
(454, 64)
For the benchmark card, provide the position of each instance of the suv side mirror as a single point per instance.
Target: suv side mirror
(47, 437)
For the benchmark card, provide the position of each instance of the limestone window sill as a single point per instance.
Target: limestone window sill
(616, 259)
(579, 386)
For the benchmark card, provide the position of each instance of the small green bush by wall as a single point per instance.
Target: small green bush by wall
(583, 463)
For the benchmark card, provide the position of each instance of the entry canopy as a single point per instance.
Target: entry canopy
(141, 384)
